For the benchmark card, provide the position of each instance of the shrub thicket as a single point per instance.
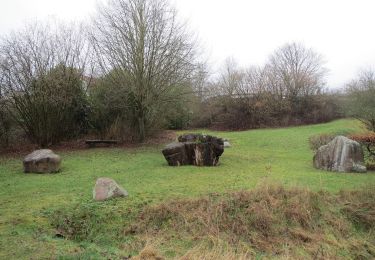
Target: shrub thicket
(41, 69)
(367, 140)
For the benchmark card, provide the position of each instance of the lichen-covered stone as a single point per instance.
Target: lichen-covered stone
(340, 155)
(106, 188)
(194, 149)
(42, 161)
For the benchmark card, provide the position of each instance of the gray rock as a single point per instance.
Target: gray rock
(194, 149)
(340, 155)
(227, 144)
(42, 161)
(106, 188)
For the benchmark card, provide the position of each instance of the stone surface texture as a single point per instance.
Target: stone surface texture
(106, 188)
(194, 149)
(42, 161)
(340, 155)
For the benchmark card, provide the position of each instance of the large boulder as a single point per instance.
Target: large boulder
(194, 149)
(106, 188)
(176, 154)
(340, 155)
(42, 161)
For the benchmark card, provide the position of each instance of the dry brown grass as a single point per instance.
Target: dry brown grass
(270, 220)
(148, 253)
(359, 207)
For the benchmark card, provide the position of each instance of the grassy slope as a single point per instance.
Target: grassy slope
(281, 155)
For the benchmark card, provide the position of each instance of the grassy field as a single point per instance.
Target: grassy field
(32, 205)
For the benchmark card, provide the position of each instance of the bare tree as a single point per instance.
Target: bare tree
(5, 119)
(200, 81)
(296, 71)
(231, 78)
(149, 53)
(362, 98)
(284, 91)
(41, 68)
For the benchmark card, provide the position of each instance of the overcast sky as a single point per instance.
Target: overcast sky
(247, 30)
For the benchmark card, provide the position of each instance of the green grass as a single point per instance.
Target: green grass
(27, 201)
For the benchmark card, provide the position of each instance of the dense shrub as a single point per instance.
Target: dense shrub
(109, 110)
(368, 142)
(41, 72)
(239, 113)
(317, 141)
(367, 139)
(52, 108)
(6, 125)
(179, 118)
(114, 113)
(57, 105)
(206, 112)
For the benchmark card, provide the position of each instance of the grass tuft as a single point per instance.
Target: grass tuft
(148, 253)
(79, 222)
(359, 207)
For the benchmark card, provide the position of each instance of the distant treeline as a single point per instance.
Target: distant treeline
(134, 69)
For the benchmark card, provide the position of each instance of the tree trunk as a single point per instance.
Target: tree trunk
(141, 128)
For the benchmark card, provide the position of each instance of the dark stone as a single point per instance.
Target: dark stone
(176, 154)
(194, 149)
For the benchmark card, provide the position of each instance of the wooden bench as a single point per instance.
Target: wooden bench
(93, 143)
